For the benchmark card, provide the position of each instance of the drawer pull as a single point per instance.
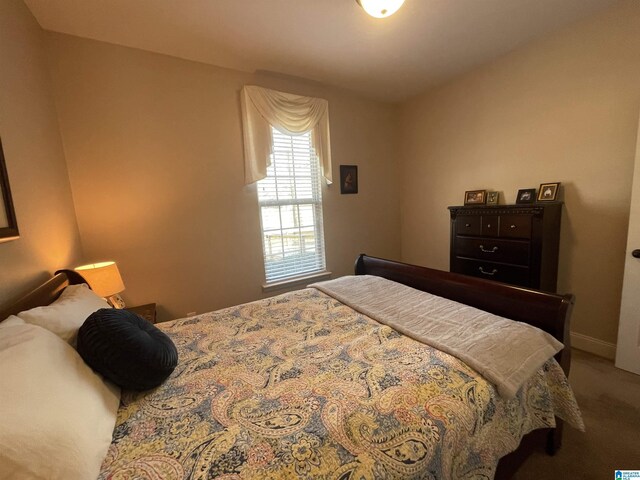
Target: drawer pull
(488, 225)
(467, 225)
(491, 273)
(513, 227)
(493, 250)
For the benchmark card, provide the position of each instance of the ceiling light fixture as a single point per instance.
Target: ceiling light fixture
(380, 8)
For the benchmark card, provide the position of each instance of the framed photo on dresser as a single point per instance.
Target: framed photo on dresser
(526, 195)
(548, 192)
(475, 197)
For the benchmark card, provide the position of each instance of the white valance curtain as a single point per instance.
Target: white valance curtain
(290, 114)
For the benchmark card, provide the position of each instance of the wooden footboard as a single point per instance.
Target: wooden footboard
(548, 311)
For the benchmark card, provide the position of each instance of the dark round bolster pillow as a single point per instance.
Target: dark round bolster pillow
(126, 349)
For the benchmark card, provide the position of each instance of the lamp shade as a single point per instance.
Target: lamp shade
(103, 278)
(380, 8)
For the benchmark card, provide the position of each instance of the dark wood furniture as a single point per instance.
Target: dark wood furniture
(548, 311)
(516, 244)
(146, 311)
(45, 294)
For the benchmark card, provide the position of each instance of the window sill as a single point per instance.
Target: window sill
(295, 282)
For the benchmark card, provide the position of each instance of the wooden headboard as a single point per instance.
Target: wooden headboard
(45, 294)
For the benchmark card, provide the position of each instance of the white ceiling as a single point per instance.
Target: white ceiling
(331, 41)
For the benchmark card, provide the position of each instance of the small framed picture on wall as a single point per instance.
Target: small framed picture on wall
(348, 179)
(8, 223)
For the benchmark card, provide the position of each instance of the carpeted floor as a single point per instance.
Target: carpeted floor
(609, 399)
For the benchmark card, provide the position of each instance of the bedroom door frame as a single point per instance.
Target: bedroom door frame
(628, 348)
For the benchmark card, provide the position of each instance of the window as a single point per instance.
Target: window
(290, 199)
(286, 151)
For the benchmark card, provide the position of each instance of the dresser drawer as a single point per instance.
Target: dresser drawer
(493, 271)
(489, 225)
(515, 226)
(504, 251)
(468, 225)
(520, 242)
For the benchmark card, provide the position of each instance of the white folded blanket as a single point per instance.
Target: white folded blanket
(504, 351)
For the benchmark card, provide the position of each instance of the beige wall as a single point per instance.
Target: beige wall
(35, 161)
(563, 109)
(154, 151)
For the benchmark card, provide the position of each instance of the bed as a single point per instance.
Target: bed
(303, 386)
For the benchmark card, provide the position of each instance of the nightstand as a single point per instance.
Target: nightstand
(148, 311)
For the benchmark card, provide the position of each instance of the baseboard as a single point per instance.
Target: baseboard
(593, 345)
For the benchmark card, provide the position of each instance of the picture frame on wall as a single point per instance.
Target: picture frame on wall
(8, 222)
(348, 179)
(475, 197)
(492, 198)
(526, 195)
(548, 192)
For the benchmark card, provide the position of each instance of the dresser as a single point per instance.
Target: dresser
(516, 244)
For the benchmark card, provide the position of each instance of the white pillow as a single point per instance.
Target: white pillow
(57, 414)
(67, 314)
(11, 320)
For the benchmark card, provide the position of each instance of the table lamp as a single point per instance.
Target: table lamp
(104, 279)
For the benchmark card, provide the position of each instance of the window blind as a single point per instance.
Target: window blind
(290, 199)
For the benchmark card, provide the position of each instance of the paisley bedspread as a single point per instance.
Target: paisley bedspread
(302, 386)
